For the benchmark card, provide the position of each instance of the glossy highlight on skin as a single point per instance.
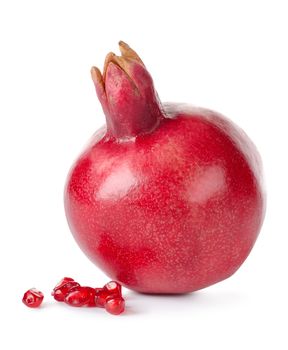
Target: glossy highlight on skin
(170, 205)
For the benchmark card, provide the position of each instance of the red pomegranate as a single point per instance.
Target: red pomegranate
(166, 198)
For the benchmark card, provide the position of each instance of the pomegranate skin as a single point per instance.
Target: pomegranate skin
(172, 210)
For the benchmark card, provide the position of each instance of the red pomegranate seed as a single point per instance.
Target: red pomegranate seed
(64, 281)
(63, 288)
(33, 298)
(79, 297)
(92, 299)
(115, 306)
(113, 288)
(101, 295)
(92, 292)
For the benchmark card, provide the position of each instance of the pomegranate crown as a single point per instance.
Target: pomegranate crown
(127, 94)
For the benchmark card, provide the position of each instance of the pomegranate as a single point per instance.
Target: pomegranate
(166, 198)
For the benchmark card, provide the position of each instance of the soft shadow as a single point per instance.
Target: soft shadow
(175, 303)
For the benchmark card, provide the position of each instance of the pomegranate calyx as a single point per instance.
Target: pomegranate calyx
(126, 92)
(124, 61)
(126, 51)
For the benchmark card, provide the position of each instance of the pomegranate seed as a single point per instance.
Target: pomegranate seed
(63, 281)
(92, 299)
(79, 297)
(113, 288)
(101, 295)
(115, 306)
(33, 298)
(92, 293)
(63, 288)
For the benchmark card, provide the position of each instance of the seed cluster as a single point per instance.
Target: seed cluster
(73, 294)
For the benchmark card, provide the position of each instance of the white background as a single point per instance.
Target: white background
(230, 56)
